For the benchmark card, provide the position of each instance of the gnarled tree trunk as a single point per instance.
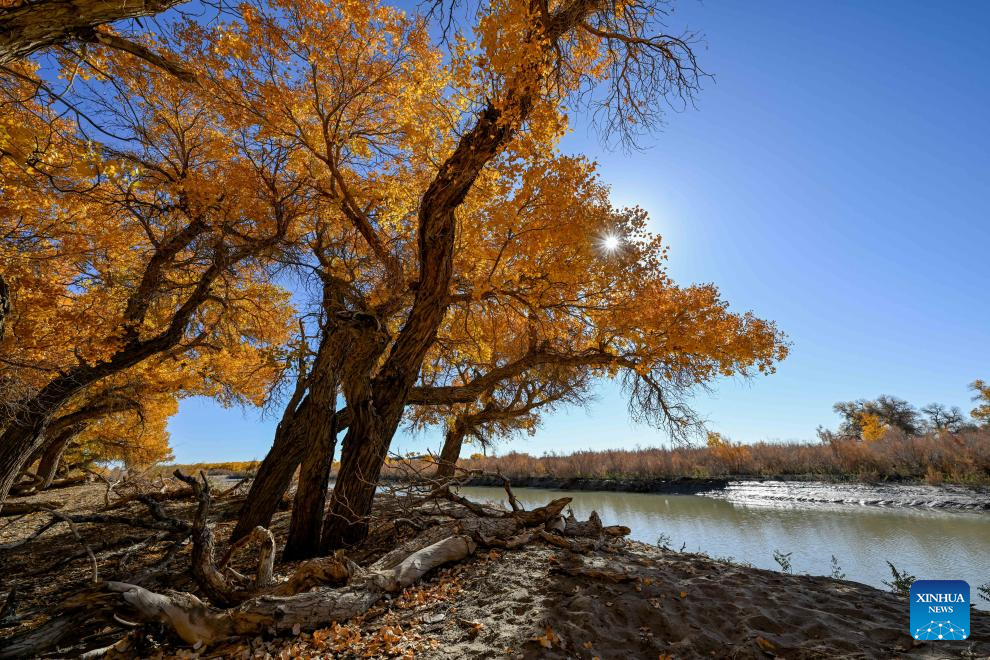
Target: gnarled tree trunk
(52, 457)
(272, 479)
(363, 455)
(451, 451)
(308, 506)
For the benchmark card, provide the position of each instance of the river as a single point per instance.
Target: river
(927, 543)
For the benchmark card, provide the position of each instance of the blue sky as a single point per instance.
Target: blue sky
(835, 178)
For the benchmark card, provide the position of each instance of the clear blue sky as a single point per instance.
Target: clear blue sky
(835, 178)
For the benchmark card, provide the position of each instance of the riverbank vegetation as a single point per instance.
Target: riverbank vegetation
(934, 458)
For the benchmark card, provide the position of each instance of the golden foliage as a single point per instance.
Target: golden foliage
(981, 413)
(324, 126)
(873, 427)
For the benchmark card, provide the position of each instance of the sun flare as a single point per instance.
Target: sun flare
(610, 242)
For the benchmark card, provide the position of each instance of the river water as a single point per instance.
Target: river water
(928, 543)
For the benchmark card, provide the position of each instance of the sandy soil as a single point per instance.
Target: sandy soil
(626, 601)
(669, 605)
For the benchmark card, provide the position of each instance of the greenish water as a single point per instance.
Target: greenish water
(930, 544)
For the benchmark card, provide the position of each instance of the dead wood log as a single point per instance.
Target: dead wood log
(580, 546)
(195, 621)
(157, 496)
(538, 516)
(616, 531)
(592, 573)
(592, 527)
(81, 611)
(67, 482)
(322, 571)
(225, 586)
(21, 508)
(221, 587)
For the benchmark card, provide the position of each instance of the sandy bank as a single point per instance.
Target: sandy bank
(631, 602)
(783, 489)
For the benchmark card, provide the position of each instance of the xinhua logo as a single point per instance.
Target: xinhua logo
(939, 609)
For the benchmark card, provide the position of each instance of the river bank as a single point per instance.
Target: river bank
(624, 599)
(776, 489)
(628, 601)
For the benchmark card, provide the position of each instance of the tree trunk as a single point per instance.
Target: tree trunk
(451, 451)
(52, 457)
(361, 463)
(4, 305)
(273, 478)
(311, 493)
(24, 436)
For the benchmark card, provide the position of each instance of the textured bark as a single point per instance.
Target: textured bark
(272, 480)
(308, 506)
(318, 431)
(4, 305)
(274, 475)
(452, 443)
(31, 26)
(52, 457)
(361, 461)
(195, 621)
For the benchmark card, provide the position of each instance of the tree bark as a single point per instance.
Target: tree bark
(310, 502)
(273, 478)
(4, 305)
(52, 457)
(30, 26)
(451, 451)
(26, 434)
(361, 461)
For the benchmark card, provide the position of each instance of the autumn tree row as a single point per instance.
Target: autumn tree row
(359, 214)
(870, 419)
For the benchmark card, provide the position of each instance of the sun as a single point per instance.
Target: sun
(610, 242)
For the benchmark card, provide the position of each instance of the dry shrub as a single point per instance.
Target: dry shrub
(962, 457)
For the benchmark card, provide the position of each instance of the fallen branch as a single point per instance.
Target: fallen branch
(194, 621)
(21, 508)
(590, 573)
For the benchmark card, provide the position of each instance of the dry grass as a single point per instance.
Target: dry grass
(962, 458)
(958, 458)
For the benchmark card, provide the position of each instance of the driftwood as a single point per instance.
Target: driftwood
(194, 621)
(36, 484)
(260, 606)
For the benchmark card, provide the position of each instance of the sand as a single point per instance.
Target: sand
(676, 605)
(629, 600)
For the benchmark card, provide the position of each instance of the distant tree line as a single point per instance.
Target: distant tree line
(871, 419)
